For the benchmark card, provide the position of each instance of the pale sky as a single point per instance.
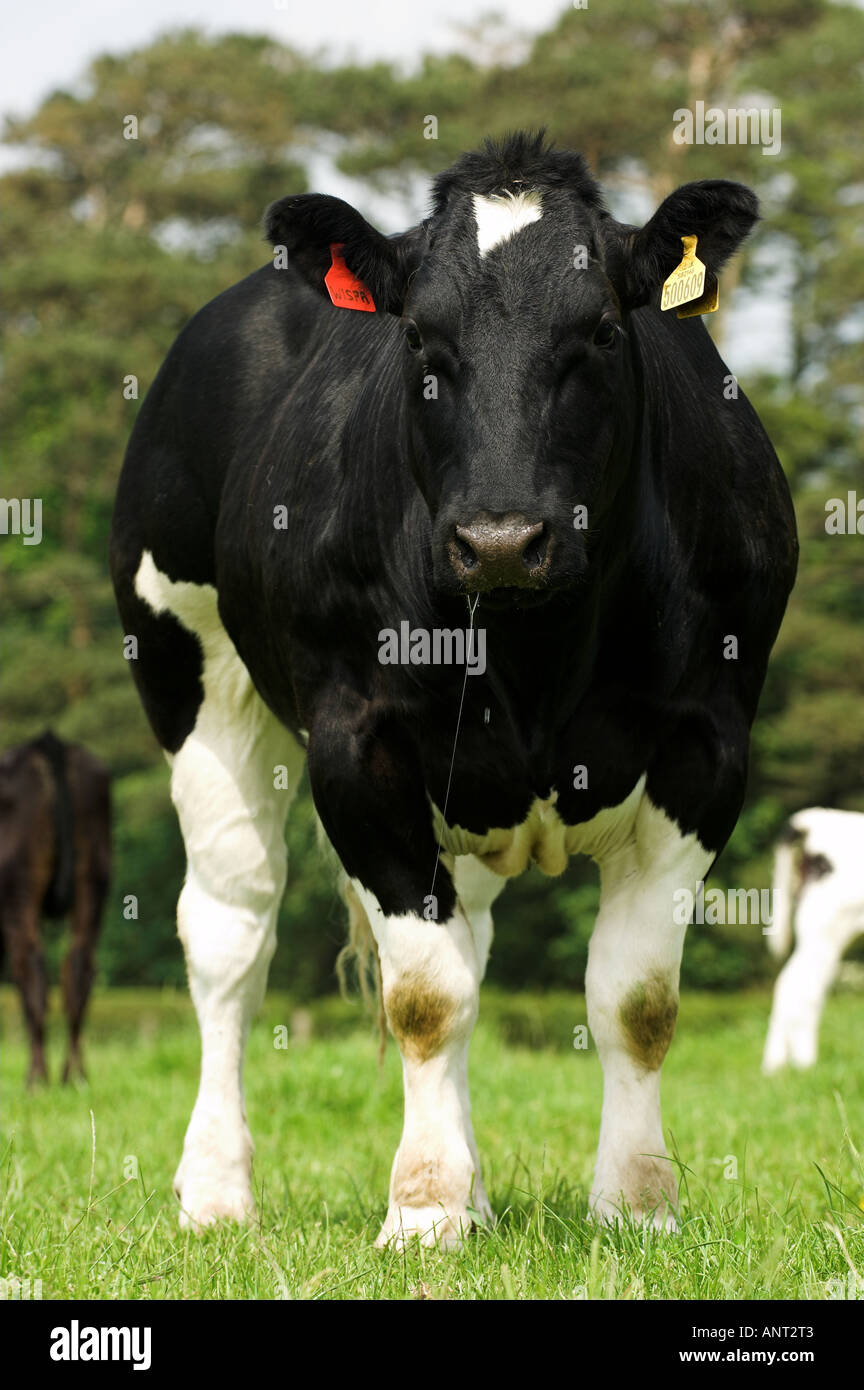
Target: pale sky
(48, 45)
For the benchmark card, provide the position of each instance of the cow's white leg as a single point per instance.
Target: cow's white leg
(233, 824)
(430, 975)
(632, 993)
(823, 932)
(232, 782)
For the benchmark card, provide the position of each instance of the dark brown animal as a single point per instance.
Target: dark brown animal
(55, 861)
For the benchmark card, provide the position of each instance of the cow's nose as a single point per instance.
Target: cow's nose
(500, 552)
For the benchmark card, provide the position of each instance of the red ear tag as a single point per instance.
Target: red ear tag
(344, 289)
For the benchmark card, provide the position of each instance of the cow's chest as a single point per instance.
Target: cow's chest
(543, 838)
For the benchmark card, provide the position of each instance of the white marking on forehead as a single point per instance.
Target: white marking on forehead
(503, 215)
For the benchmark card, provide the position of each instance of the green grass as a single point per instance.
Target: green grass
(326, 1125)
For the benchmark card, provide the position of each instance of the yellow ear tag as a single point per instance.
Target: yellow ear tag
(686, 285)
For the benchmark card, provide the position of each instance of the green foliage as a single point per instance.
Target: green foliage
(112, 244)
(149, 863)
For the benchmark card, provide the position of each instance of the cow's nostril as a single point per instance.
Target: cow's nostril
(467, 556)
(535, 551)
(500, 552)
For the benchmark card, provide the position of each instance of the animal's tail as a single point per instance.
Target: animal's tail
(787, 886)
(361, 952)
(58, 898)
(359, 956)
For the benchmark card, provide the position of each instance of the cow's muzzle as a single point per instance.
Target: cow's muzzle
(500, 552)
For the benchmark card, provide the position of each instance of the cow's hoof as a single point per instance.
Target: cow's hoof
(208, 1197)
(213, 1181)
(801, 1061)
(431, 1226)
(659, 1215)
(640, 1192)
(783, 1052)
(202, 1208)
(434, 1225)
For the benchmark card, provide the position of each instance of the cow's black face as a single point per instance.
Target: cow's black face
(516, 372)
(514, 299)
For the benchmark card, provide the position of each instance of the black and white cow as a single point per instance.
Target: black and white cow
(514, 438)
(818, 913)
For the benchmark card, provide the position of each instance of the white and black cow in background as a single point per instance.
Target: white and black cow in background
(818, 905)
(293, 488)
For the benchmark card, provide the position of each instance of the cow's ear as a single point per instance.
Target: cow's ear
(719, 213)
(309, 224)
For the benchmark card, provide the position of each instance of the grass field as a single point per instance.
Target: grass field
(772, 1180)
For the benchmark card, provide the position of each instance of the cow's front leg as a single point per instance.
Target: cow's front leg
(430, 976)
(371, 798)
(632, 992)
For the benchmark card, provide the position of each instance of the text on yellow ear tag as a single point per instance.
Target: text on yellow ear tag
(686, 284)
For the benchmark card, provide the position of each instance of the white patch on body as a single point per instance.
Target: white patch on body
(233, 823)
(825, 919)
(503, 215)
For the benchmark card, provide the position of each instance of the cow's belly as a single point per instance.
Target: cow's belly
(543, 838)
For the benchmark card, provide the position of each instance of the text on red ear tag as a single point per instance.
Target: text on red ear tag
(344, 289)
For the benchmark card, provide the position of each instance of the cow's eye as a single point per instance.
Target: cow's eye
(413, 341)
(606, 333)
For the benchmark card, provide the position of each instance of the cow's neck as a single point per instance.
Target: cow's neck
(544, 658)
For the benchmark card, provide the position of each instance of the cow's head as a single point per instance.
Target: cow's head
(515, 297)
